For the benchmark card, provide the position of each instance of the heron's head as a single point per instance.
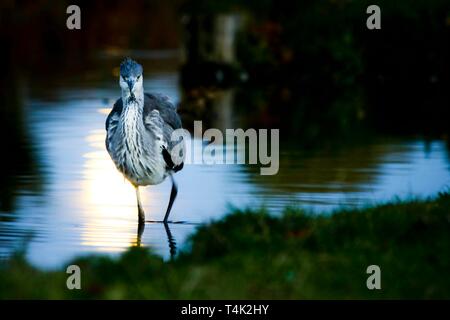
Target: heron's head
(131, 79)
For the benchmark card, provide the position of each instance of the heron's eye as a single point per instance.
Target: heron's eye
(138, 77)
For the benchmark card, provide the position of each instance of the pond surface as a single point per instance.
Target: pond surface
(79, 204)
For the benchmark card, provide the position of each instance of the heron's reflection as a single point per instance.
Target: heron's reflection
(140, 231)
(170, 239)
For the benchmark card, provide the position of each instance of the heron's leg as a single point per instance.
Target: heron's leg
(141, 212)
(173, 195)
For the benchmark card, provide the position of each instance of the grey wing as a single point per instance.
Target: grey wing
(166, 109)
(112, 121)
(161, 118)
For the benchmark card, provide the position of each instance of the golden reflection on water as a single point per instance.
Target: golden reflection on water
(107, 201)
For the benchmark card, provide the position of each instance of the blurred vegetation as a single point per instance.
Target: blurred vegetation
(253, 255)
(317, 72)
(113, 26)
(18, 159)
(311, 68)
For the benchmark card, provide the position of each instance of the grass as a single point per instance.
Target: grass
(253, 255)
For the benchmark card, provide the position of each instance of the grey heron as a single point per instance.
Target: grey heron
(139, 135)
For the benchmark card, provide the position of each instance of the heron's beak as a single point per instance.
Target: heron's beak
(130, 84)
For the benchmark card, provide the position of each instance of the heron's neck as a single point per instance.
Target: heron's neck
(132, 116)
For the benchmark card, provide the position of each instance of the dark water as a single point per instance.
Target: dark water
(75, 202)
